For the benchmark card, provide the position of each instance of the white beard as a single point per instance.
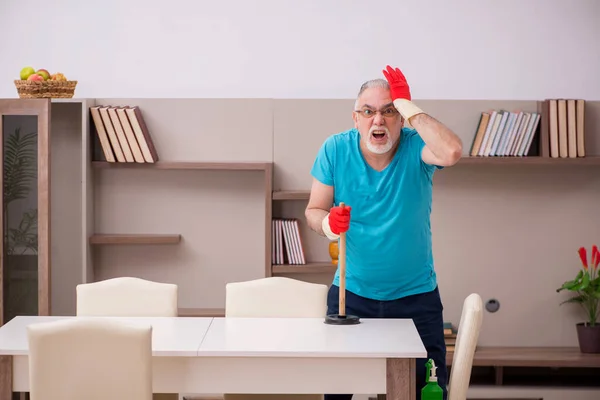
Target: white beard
(380, 148)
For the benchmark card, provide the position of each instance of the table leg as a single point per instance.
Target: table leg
(6, 364)
(401, 379)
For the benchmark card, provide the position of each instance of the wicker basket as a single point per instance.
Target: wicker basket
(45, 89)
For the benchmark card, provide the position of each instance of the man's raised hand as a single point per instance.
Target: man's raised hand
(397, 81)
(400, 92)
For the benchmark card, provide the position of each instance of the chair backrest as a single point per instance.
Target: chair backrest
(275, 297)
(92, 359)
(127, 296)
(464, 349)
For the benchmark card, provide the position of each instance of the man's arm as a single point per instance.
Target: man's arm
(442, 146)
(319, 204)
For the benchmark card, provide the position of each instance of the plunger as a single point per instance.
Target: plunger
(341, 318)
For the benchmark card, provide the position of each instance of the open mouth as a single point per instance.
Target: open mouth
(378, 134)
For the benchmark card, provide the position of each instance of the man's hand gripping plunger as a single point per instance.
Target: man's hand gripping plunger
(336, 222)
(335, 225)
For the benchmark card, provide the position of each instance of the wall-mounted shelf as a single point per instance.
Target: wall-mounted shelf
(500, 356)
(201, 312)
(529, 160)
(291, 195)
(135, 238)
(308, 268)
(467, 160)
(179, 165)
(533, 367)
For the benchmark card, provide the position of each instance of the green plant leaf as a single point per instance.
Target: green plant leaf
(576, 299)
(595, 284)
(571, 285)
(585, 281)
(19, 165)
(20, 174)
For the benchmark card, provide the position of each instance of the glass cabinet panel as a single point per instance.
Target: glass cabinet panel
(25, 223)
(20, 214)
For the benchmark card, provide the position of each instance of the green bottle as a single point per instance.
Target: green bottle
(431, 390)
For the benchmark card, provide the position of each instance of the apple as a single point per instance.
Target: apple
(26, 72)
(44, 73)
(35, 77)
(59, 76)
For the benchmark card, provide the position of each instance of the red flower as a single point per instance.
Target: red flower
(583, 256)
(595, 256)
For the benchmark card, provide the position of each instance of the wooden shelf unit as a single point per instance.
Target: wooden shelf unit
(311, 267)
(134, 238)
(201, 312)
(533, 366)
(265, 167)
(280, 195)
(183, 165)
(291, 195)
(529, 160)
(532, 356)
(308, 268)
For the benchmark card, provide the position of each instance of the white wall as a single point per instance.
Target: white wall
(459, 49)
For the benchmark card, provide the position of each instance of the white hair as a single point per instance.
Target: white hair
(373, 83)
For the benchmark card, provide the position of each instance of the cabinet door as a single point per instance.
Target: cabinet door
(25, 217)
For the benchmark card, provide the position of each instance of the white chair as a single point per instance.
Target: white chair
(90, 359)
(127, 296)
(464, 350)
(275, 297)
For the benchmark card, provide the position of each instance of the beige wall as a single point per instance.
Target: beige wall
(513, 236)
(507, 232)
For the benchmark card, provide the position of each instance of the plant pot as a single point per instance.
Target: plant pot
(334, 252)
(589, 338)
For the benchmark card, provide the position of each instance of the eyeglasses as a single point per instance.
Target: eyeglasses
(389, 112)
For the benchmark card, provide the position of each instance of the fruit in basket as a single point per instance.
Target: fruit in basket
(26, 72)
(35, 77)
(44, 73)
(58, 77)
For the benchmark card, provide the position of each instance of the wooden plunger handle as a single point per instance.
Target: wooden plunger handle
(342, 264)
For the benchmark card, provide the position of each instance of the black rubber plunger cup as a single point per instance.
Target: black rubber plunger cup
(342, 318)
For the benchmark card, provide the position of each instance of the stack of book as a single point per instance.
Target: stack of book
(505, 133)
(286, 242)
(123, 134)
(555, 129)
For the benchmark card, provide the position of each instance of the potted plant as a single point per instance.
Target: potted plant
(20, 172)
(20, 218)
(586, 292)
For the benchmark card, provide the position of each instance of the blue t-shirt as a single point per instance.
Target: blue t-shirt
(388, 243)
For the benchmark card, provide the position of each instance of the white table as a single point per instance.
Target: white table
(256, 355)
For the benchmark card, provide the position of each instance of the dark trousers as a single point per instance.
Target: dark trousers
(426, 312)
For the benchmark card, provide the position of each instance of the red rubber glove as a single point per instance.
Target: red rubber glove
(339, 219)
(398, 85)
